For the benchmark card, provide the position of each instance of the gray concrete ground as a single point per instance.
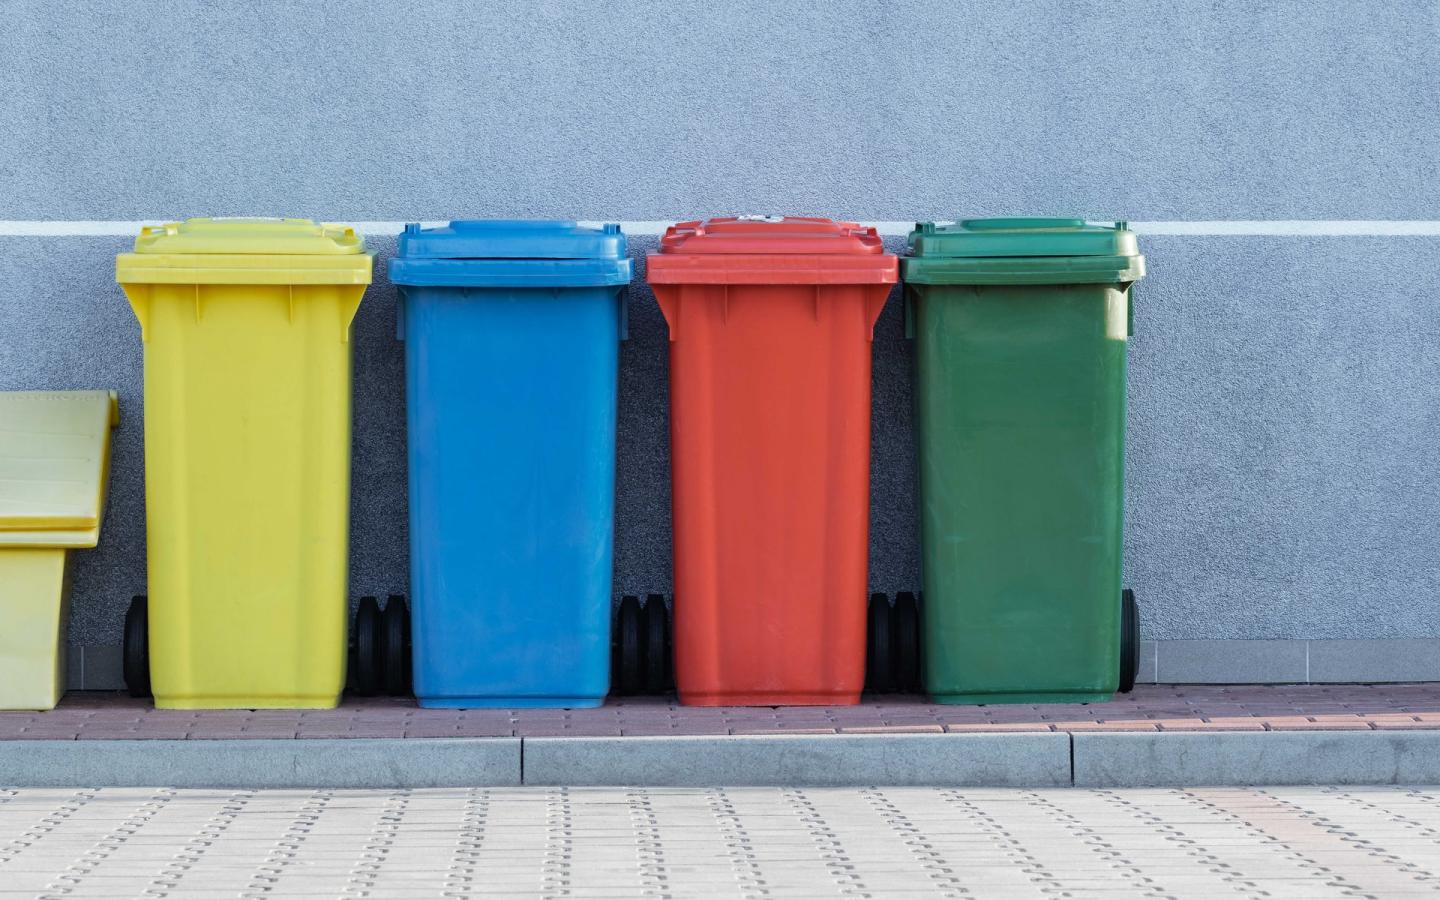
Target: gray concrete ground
(758, 842)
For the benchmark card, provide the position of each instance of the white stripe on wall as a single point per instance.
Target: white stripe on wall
(1297, 228)
(1239, 228)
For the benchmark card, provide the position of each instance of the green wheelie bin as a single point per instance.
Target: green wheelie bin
(1021, 328)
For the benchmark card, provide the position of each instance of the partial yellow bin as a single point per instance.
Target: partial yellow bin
(54, 466)
(246, 325)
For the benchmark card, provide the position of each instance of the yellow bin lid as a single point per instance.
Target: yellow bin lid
(54, 457)
(246, 251)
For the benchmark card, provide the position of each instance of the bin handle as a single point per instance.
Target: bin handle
(909, 314)
(1122, 225)
(624, 304)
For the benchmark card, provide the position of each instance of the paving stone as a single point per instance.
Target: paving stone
(1299, 724)
(1000, 728)
(1210, 725)
(1108, 725)
(1169, 707)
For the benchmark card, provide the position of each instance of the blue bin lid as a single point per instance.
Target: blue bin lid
(511, 253)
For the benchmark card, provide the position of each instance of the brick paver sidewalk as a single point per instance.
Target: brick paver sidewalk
(889, 843)
(86, 716)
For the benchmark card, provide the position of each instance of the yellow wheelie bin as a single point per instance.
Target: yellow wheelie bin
(54, 465)
(246, 326)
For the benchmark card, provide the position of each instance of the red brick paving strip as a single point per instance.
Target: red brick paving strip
(107, 716)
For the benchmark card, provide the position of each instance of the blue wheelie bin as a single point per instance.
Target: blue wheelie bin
(511, 332)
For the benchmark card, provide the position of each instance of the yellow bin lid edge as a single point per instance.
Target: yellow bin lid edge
(54, 454)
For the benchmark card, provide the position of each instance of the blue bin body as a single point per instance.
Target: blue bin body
(511, 334)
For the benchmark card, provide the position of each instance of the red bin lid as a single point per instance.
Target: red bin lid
(774, 250)
(770, 234)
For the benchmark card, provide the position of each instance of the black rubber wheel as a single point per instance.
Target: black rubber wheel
(657, 645)
(879, 655)
(905, 642)
(365, 673)
(135, 657)
(629, 647)
(395, 646)
(615, 648)
(1129, 641)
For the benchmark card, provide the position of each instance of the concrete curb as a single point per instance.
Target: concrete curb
(949, 760)
(1256, 758)
(1056, 759)
(341, 763)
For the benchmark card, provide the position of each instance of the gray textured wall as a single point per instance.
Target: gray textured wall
(1284, 413)
(377, 109)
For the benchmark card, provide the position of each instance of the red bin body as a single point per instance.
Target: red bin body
(770, 330)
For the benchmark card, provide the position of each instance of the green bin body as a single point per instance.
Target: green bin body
(1021, 329)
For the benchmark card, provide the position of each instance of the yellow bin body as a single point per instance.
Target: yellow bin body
(54, 465)
(246, 325)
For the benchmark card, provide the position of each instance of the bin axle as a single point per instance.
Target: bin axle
(892, 648)
(380, 650)
(642, 648)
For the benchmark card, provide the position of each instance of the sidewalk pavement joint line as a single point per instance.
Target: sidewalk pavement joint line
(1198, 228)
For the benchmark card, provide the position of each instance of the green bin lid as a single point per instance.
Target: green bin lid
(1022, 251)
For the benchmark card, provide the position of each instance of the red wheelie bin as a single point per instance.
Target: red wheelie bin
(770, 328)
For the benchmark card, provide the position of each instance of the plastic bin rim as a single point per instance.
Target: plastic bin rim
(240, 268)
(508, 272)
(769, 268)
(942, 270)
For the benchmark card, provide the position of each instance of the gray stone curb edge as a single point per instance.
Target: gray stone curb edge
(1118, 759)
(285, 763)
(951, 760)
